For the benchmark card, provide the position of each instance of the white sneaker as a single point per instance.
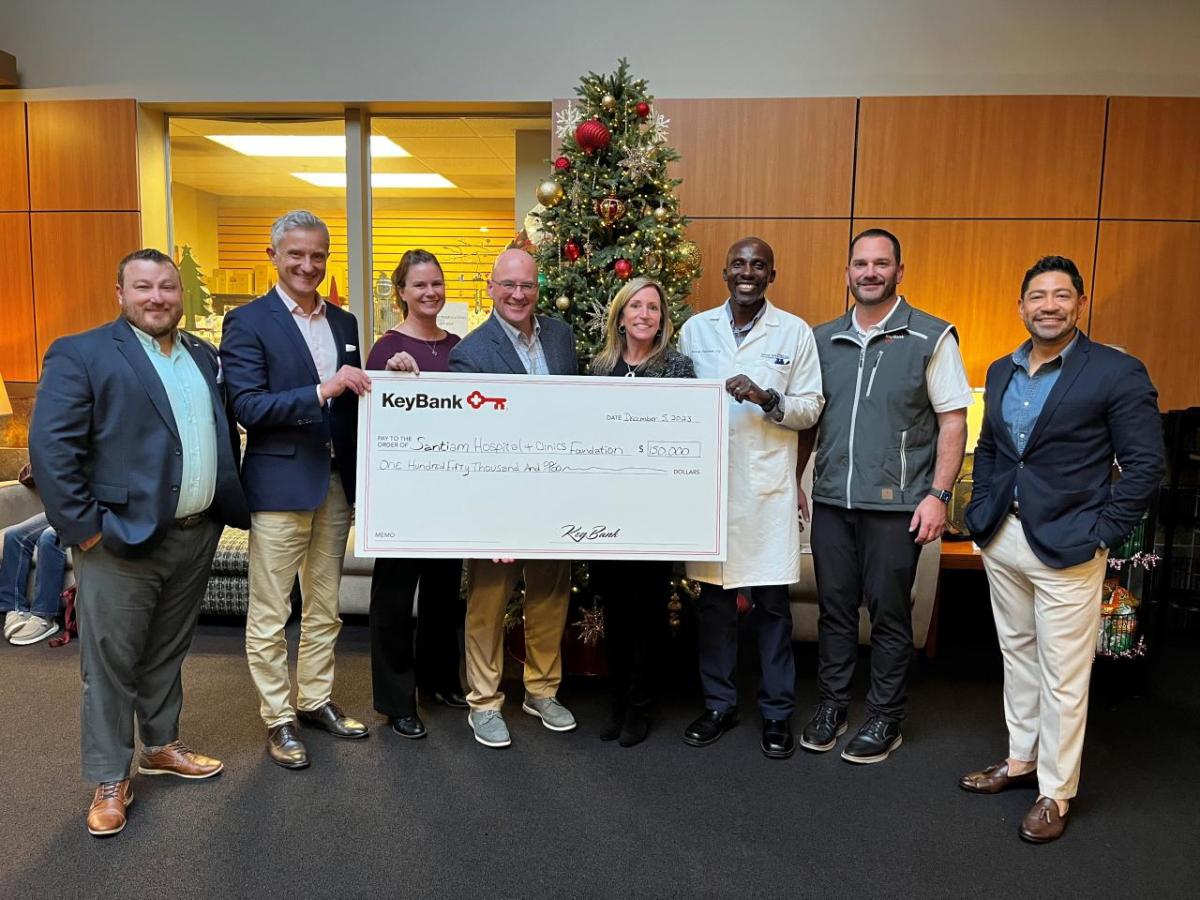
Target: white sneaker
(14, 620)
(34, 630)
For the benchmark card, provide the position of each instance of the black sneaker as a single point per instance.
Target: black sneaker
(823, 729)
(874, 741)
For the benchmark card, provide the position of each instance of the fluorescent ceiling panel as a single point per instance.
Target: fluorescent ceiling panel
(323, 145)
(379, 179)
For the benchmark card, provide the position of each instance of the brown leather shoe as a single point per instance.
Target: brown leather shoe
(330, 718)
(995, 779)
(108, 810)
(1043, 823)
(177, 759)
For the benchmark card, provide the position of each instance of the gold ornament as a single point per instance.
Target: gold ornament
(652, 262)
(549, 193)
(661, 214)
(688, 255)
(562, 304)
(609, 102)
(590, 624)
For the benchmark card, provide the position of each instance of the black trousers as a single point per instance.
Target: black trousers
(771, 619)
(864, 556)
(395, 675)
(634, 596)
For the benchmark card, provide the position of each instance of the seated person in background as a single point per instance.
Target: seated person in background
(24, 624)
(417, 343)
(634, 592)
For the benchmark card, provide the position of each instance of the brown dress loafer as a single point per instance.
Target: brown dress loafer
(177, 759)
(285, 748)
(330, 718)
(1043, 823)
(107, 814)
(995, 779)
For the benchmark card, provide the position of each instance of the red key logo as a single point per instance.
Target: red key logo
(476, 400)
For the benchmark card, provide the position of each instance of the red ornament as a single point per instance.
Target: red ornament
(642, 109)
(591, 136)
(571, 251)
(562, 164)
(623, 268)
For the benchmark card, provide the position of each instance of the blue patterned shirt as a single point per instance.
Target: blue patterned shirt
(528, 348)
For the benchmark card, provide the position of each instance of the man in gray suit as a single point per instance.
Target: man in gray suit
(135, 455)
(515, 341)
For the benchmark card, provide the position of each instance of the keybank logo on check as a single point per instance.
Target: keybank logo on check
(408, 403)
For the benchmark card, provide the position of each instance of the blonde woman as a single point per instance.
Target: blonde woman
(634, 593)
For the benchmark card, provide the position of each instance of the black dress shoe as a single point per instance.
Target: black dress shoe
(710, 726)
(822, 730)
(285, 748)
(454, 699)
(635, 727)
(874, 741)
(330, 718)
(409, 726)
(777, 740)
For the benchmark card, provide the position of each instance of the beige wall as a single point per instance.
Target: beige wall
(257, 50)
(195, 224)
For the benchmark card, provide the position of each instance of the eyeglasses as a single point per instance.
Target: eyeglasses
(510, 286)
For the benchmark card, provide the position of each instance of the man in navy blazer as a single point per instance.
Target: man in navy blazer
(135, 456)
(293, 370)
(516, 341)
(1045, 510)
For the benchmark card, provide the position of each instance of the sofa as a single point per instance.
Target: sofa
(228, 591)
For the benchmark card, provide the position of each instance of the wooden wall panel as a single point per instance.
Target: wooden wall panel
(969, 273)
(14, 169)
(763, 158)
(83, 155)
(947, 157)
(1145, 301)
(75, 258)
(810, 259)
(1152, 164)
(18, 347)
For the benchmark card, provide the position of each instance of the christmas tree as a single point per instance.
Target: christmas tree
(608, 210)
(195, 294)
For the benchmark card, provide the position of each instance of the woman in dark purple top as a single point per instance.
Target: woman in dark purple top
(417, 344)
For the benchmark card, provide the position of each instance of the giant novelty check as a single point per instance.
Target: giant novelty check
(542, 468)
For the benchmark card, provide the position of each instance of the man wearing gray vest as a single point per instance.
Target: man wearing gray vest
(889, 446)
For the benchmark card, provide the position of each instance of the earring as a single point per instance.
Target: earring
(620, 329)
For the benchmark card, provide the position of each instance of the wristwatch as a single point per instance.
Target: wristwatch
(772, 402)
(944, 496)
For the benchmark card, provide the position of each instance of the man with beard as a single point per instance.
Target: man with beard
(766, 357)
(135, 457)
(1045, 511)
(889, 446)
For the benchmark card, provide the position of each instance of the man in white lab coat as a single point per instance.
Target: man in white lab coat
(773, 376)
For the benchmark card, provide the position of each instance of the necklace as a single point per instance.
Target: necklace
(432, 345)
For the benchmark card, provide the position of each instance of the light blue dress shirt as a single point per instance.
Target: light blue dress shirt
(192, 407)
(1026, 394)
(529, 349)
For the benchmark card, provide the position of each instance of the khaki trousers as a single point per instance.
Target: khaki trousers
(547, 591)
(1047, 620)
(312, 543)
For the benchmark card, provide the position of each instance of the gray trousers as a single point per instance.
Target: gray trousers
(136, 621)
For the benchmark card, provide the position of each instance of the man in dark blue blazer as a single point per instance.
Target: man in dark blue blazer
(516, 341)
(1045, 510)
(293, 370)
(135, 456)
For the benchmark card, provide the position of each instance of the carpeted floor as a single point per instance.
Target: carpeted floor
(564, 815)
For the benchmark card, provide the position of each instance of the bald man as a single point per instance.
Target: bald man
(769, 362)
(516, 341)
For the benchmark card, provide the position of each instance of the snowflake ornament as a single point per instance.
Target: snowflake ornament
(638, 163)
(567, 120)
(659, 128)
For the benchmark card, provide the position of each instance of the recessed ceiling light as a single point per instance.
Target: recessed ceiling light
(379, 179)
(329, 145)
